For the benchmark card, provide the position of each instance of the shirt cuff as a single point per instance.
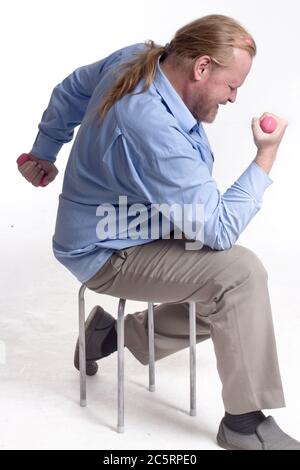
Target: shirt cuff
(45, 148)
(255, 180)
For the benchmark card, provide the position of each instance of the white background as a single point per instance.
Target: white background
(41, 43)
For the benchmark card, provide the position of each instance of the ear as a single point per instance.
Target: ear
(202, 67)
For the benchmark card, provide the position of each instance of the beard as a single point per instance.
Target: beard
(205, 114)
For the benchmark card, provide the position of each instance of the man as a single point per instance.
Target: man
(141, 136)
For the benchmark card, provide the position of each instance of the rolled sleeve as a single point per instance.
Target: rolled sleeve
(255, 181)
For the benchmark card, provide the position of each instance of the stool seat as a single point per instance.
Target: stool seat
(120, 334)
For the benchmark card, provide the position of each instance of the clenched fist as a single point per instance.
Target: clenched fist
(36, 171)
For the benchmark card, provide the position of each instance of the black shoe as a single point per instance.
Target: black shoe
(100, 339)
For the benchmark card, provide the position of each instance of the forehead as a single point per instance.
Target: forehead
(238, 68)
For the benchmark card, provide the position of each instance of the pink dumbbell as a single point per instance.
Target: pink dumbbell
(268, 124)
(25, 158)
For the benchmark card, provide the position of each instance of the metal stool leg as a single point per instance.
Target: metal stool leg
(151, 348)
(192, 315)
(121, 309)
(82, 353)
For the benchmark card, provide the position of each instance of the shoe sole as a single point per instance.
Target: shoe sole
(226, 446)
(90, 325)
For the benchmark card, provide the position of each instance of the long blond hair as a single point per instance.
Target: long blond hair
(212, 35)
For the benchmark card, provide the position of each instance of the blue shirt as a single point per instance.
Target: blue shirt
(149, 148)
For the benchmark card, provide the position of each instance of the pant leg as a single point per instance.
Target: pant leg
(232, 305)
(168, 338)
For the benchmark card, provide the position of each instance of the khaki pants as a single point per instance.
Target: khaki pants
(232, 308)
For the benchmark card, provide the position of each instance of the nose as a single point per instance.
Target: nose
(232, 97)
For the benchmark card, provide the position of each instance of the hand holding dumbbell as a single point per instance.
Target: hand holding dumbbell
(268, 131)
(37, 171)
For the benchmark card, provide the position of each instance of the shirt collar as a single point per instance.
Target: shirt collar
(174, 102)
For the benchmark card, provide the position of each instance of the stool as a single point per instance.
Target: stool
(120, 334)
